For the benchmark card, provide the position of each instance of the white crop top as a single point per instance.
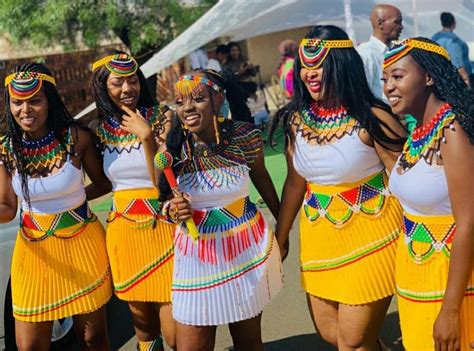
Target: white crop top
(422, 190)
(53, 194)
(127, 170)
(345, 161)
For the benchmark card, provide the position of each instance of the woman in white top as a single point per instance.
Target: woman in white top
(59, 265)
(433, 181)
(341, 142)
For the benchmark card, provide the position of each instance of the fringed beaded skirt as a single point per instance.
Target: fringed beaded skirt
(59, 266)
(230, 272)
(348, 237)
(422, 274)
(140, 247)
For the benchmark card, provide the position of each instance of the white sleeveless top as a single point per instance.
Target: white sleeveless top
(346, 160)
(127, 170)
(422, 190)
(56, 193)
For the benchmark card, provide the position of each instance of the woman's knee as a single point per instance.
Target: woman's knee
(33, 336)
(95, 339)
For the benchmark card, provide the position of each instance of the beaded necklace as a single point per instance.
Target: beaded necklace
(322, 125)
(425, 141)
(41, 156)
(218, 165)
(115, 139)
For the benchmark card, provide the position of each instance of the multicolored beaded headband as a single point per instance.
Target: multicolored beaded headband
(189, 86)
(314, 58)
(24, 85)
(120, 64)
(406, 46)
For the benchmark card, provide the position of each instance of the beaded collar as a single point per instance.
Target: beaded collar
(218, 165)
(41, 156)
(115, 139)
(319, 125)
(425, 141)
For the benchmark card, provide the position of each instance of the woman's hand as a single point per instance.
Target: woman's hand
(447, 331)
(180, 208)
(135, 123)
(284, 249)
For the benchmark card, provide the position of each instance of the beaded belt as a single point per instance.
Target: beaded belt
(366, 196)
(126, 208)
(65, 225)
(425, 235)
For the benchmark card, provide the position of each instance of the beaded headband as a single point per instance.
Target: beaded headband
(120, 64)
(24, 85)
(406, 46)
(189, 86)
(314, 58)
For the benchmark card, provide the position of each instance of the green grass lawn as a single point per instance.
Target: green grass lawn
(274, 160)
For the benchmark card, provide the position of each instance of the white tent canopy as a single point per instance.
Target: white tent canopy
(243, 19)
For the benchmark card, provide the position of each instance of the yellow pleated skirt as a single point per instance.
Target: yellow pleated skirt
(348, 251)
(140, 249)
(422, 275)
(62, 275)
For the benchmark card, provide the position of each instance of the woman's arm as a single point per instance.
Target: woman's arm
(264, 184)
(8, 199)
(161, 140)
(89, 156)
(389, 153)
(458, 159)
(291, 200)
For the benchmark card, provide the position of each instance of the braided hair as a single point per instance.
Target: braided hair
(448, 85)
(58, 120)
(343, 77)
(104, 103)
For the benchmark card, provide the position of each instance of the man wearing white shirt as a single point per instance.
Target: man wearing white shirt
(387, 25)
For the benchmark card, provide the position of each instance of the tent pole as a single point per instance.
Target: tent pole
(416, 30)
(349, 21)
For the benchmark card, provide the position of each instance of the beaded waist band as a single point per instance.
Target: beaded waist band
(338, 203)
(65, 225)
(142, 212)
(427, 235)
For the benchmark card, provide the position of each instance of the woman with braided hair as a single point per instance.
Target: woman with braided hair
(59, 265)
(232, 269)
(342, 142)
(139, 240)
(433, 181)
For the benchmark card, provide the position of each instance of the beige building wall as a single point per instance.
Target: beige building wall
(263, 50)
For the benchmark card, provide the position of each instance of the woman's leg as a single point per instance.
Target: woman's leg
(247, 334)
(194, 338)
(168, 324)
(145, 320)
(359, 326)
(33, 336)
(324, 314)
(91, 329)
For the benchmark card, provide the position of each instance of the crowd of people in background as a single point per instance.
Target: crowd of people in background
(379, 149)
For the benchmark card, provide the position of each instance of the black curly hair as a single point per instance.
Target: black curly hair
(343, 77)
(104, 103)
(177, 136)
(448, 85)
(59, 119)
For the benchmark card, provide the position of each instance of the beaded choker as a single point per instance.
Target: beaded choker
(115, 139)
(41, 156)
(320, 125)
(425, 141)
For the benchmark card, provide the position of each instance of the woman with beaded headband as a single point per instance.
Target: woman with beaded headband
(232, 269)
(139, 242)
(341, 142)
(59, 266)
(433, 181)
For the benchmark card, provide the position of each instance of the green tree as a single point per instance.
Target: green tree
(144, 26)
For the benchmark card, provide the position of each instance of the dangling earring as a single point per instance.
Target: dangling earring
(216, 128)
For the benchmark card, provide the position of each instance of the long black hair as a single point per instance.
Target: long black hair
(343, 78)
(177, 136)
(448, 85)
(58, 119)
(104, 103)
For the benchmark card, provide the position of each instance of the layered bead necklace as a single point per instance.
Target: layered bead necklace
(323, 125)
(425, 141)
